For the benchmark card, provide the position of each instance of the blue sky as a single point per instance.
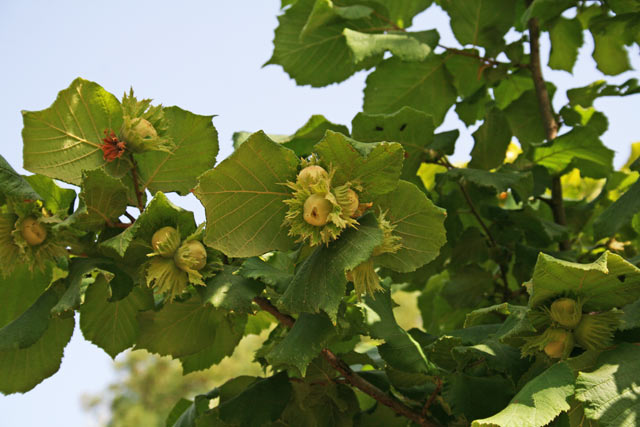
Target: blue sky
(206, 57)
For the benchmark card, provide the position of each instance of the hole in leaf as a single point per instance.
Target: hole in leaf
(404, 125)
(622, 277)
(379, 128)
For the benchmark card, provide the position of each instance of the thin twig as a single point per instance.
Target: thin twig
(503, 269)
(550, 124)
(131, 218)
(349, 375)
(136, 184)
(432, 397)
(388, 21)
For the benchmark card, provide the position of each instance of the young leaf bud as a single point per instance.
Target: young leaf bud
(312, 174)
(595, 331)
(316, 210)
(192, 255)
(33, 232)
(566, 312)
(560, 344)
(165, 241)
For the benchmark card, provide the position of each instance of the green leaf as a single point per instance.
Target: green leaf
(581, 143)
(511, 88)
(618, 214)
(525, 119)
(20, 290)
(322, 56)
(419, 224)
(256, 268)
(521, 182)
(243, 198)
(26, 329)
(64, 140)
(609, 52)
(112, 326)
(413, 129)
(314, 405)
(546, 10)
(630, 318)
(104, 200)
(466, 73)
(189, 414)
(586, 95)
(319, 283)
(538, 402)
(401, 12)
(325, 12)
(160, 212)
(55, 198)
(516, 323)
(403, 46)
(303, 140)
(609, 393)
(400, 350)
(566, 39)
(196, 147)
(79, 278)
(476, 22)
(608, 282)
(178, 329)
(491, 141)
(425, 86)
(228, 333)
(12, 184)
(261, 402)
(23, 369)
(376, 167)
(468, 286)
(309, 335)
(231, 291)
(477, 397)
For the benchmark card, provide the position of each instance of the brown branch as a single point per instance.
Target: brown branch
(388, 21)
(432, 397)
(136, 184)
(349, 375)
(549, 121)
(131, 218)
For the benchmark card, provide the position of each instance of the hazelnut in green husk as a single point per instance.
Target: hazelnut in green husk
(144, 127)
(560, 343)
(595, 331)
(312, 174)
(556, 343)
(165, 242)
(34, 233)
(318, 211)
(29, 240)
(566, 312)
(192, 255)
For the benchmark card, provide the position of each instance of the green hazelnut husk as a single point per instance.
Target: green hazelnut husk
(191, 255)
(595, 331)
(165, 241)
(566, 312)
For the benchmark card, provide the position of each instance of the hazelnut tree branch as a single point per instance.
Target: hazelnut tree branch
(351, 377)
(549, 121)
